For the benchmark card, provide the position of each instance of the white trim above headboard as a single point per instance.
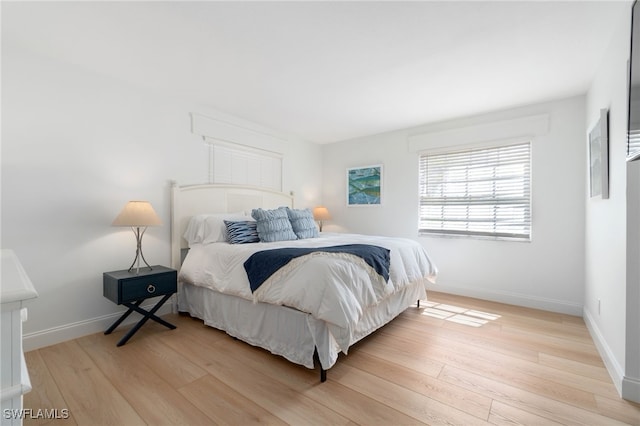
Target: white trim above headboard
(235, 164)
(190, 200)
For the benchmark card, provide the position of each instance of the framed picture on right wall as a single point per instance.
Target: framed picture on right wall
(599, 157)
(364, 186)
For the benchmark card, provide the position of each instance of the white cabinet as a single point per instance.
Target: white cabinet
(15, 290)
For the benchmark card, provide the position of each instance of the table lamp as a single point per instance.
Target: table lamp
(138, 214)
(321, 213)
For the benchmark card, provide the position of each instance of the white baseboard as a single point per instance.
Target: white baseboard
(517, 299)
(628, 387)
(612, 365)
(62, 333)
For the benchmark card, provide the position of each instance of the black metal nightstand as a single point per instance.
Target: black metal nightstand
(131, 289)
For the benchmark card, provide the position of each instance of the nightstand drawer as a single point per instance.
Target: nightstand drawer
(143, 288)
(122, 286)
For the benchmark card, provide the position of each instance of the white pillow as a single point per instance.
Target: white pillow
(210, 228)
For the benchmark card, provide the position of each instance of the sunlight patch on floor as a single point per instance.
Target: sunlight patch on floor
(457, 314)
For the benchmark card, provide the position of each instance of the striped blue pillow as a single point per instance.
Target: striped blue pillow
(302, 223)
(242, 232)
(273, 225)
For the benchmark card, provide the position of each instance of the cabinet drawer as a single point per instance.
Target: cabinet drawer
(142, 288)
(121, 287)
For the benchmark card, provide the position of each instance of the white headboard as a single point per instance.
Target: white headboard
(190, 200)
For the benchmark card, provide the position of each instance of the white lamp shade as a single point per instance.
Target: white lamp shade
(137, 213)
(321, 213)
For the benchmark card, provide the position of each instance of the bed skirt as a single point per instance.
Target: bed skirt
(284, 331)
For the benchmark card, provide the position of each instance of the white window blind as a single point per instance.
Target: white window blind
(479, 192)
(633, 144)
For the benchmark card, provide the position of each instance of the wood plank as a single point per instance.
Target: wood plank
(498, 330)
(470, 402)
(283, 402)
(153, 398)
(523, 374)
(412, 403)
(167, 363)
(354, 405)
(409, 355)
(91, 397)
(345, 401)
(483, 337)
(223, 405)
(45, 394)
(567, 364)
(525, 400)
(559, 372)
(507, 415)
(617, 408)
(585, 352)
(503, 309)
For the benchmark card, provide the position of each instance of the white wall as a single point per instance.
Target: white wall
(612, 248)
(547, 272)
(75, 148)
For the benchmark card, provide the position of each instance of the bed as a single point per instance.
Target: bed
(311, 309)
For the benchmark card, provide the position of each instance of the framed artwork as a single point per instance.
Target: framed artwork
(599, 157)
(364, 186)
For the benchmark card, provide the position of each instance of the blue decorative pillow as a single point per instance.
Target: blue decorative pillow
(242, 232)
(302, 223)
(273, 225)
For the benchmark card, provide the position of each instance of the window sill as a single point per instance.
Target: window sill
(474, 237)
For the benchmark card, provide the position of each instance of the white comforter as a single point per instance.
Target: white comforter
(335, 288)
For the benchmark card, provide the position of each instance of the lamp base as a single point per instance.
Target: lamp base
(137, 259)
(139, 254)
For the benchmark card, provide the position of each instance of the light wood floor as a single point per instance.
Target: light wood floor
(521, 366)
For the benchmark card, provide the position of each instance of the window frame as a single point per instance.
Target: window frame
(453, 150)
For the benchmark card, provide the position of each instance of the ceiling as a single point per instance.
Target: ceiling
(331, 71)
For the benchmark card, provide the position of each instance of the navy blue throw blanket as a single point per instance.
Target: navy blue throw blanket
(261, 265)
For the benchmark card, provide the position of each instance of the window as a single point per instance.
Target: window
(477, 192)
